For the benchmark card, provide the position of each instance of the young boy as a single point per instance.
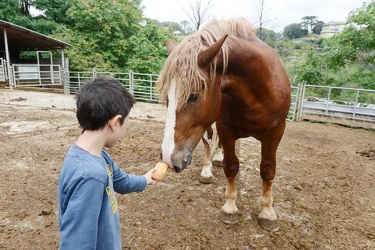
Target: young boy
(88, 210)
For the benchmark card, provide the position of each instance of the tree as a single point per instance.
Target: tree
(269, 36)
(262, 18)
(293, 31)
(185, 27)
(318, 27)
(112, 35)
(55, 10)
(308, 22)
(198, 13)
(356, 45)
(18, 12)
(310, 70)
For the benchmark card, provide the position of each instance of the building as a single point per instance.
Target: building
(332, 28)
(41, 69)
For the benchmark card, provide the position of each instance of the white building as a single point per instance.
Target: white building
(332, 28)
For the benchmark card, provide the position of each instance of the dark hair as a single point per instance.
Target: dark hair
(101, 99)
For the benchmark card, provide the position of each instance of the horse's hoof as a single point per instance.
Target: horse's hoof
(229, 218)
(206, 180)
(217, 163)
(269, 225)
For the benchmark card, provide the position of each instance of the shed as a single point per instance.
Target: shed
(42, 70)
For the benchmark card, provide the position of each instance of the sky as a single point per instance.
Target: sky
(280, 13)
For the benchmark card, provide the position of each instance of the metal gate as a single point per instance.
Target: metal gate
(37, 74)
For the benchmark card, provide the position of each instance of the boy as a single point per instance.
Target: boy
(88, 210)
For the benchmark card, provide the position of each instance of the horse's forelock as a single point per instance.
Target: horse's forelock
(182, 64)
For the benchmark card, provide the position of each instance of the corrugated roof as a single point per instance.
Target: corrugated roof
(22, 39)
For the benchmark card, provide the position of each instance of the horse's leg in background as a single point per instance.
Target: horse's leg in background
(267, 218)
(229, 212)
(217, 151)
(206, 174)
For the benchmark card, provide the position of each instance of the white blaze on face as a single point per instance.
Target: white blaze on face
(168, 141)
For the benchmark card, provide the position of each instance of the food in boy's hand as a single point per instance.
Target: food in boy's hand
(161, 171)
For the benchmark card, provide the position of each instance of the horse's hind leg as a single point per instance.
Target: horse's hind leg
(267, 218)
(217, 151)
(206, 174)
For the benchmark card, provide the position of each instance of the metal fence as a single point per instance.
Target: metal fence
(36, 74)
(337, 102)
(307, 100)
(142, 86)
(3, 70)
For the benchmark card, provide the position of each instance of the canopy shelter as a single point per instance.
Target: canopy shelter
(15, 39)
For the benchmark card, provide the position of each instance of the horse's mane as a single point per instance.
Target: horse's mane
(182, 64)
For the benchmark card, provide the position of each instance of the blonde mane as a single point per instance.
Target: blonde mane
(182, 64)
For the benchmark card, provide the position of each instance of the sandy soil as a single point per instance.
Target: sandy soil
(324, 191)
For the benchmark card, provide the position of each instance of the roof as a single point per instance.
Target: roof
(22, 39)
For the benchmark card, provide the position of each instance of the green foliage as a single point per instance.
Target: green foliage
(294, 30)
(83, 54)
(118, 37)
(268, 36)
(55, 10)
(346, 58)
(310, 70)
(148, 52)
(317, 28)
(308, 22)
(9, 10)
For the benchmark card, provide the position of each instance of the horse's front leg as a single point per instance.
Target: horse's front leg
(267, 217)
(229, 212)
(206, 174)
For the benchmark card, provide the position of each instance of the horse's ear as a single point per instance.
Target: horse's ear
(205, 57)
(171, 44)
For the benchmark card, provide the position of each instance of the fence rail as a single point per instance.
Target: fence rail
(307, 100)
(142, 86)
(348, 103)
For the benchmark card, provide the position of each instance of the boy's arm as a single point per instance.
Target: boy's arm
(79, 223)
(124, 183)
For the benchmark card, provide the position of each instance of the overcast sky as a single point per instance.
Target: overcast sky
(281, 12)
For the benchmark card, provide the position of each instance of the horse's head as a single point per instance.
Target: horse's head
(193, 99)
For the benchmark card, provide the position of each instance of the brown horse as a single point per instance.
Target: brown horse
(224, 74)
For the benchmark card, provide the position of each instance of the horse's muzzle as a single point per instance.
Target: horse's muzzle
(182, 163)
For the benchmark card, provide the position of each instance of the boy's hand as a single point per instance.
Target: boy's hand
(148, 175)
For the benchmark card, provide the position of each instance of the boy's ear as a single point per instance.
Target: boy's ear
(113, 122)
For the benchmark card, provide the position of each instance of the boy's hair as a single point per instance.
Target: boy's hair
(101, 99)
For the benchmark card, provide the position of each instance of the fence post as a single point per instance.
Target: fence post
(299, 100)
(65, 81)
(328, 99)
(356, 103)
(131, 82)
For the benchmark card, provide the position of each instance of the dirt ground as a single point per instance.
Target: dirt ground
(324, 191)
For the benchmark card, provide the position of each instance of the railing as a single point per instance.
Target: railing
(339, 102)
(307, 100)
(36, 74)
(142, 86)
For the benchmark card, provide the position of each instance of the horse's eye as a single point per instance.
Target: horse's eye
(193, 98)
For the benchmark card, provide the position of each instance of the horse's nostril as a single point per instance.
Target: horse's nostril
(177, 169)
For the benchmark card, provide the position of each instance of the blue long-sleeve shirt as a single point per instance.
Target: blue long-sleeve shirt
(88, 209)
